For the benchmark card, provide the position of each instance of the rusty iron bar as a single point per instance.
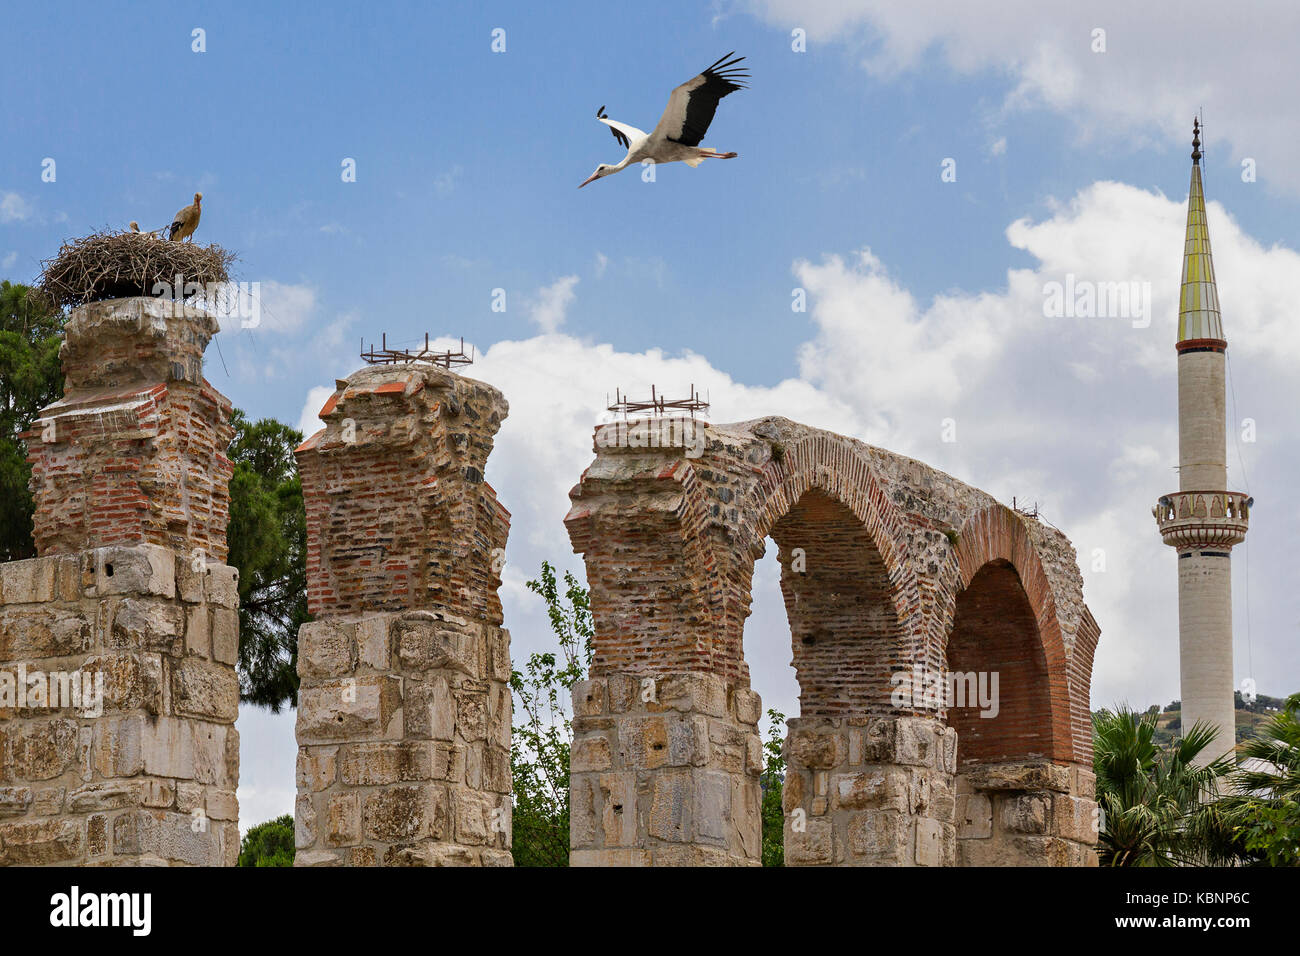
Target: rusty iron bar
(657, 403)
(1031, 512)
(386, 356)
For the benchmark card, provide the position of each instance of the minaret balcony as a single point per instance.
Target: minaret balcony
(1198, 519)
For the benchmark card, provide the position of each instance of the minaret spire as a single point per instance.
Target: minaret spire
(1198, 302)
(1202, 521)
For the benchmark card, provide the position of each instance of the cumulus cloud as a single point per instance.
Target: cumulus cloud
(14, 208)
(267, 306)
(548, 306)
(309, 422)
(1154, 72)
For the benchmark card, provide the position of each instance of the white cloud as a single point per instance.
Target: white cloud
(286, 307)
(1157, 68)
(14, 208)
(309, 422)
(548, 306)
(9, 261)
(602, 261)
(444, 183)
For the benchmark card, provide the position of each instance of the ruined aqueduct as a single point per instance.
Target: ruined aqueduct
(889, 569)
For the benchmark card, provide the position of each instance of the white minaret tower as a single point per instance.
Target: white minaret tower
(1202, 520)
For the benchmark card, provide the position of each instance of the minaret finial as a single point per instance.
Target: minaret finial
(1196, 140)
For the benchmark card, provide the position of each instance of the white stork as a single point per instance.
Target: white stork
(685, 121)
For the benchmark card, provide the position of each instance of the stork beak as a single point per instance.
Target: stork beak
(588, 179)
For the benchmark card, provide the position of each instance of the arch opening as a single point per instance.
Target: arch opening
(995, 636)
(844, 627)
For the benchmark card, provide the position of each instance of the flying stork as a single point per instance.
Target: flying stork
(685, 121)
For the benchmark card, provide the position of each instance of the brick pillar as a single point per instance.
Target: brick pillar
(666, 755)
(118, 691)
(404, 708)
(1026, 813)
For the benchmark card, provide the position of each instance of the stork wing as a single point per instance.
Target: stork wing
(623, 132)
(692, 105)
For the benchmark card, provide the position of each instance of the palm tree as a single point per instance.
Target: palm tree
(1262, 818)
(1153, 800)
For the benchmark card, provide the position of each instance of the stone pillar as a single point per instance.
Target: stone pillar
(118, 644)
(404, 707)
(1026, 813)
(869, 791)
(665, 771)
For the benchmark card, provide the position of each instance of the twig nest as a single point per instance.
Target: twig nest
(118, 265)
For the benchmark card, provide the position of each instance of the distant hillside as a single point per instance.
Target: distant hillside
(1249, 717)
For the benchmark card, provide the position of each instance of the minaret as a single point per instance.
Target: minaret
(1203, 520)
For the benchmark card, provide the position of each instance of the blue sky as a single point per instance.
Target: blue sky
(1068, 160)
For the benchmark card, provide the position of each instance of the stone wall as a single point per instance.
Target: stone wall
(128, 605)
(665, 772)
(877, 552)
(404, 707)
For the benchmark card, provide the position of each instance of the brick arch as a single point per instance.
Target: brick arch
(847, 603)
(1005, 618)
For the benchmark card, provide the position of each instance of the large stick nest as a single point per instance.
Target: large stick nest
(118, 265)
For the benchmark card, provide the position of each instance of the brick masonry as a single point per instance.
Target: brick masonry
(887, 565)
(404, 707)
(129, 595)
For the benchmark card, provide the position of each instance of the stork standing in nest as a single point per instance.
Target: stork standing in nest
(685, 121)
(187, 220)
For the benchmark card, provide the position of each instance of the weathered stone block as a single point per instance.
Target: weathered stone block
(14, 801)
(429, 710)
(669, 802)
(974, 816)
(326, 649)
(349, 709)
(36, 751)
(203, 689)
(589, 698)
(143, 569)
(317, 768)
(880, 836)
(372, 641)
(39, 842)
(812, 844)
(1025, 813)
(225, 635)
(592, 752)
(378, 764)
(343, 819)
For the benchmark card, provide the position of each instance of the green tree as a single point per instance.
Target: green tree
(772, 782)
(268, 844)
(1153, 799)
(540, 743)
(267, 537)
(1263, 814)
(30, 379)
